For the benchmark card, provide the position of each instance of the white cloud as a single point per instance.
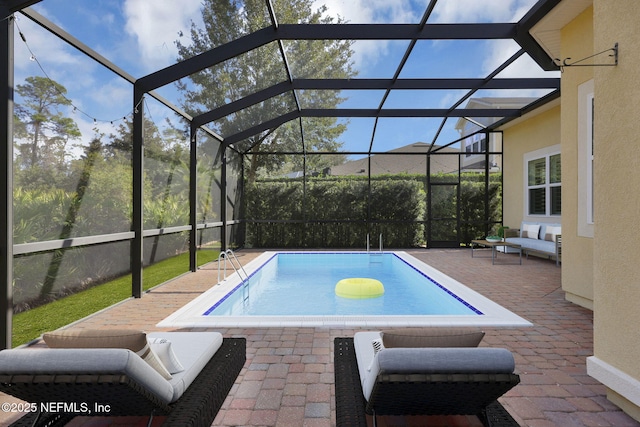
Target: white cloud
(524, 66)
(156, 25)
(368, 53)
(51, 52)
(495, 51)
(480, 11)
(114, 96)
(370, 11)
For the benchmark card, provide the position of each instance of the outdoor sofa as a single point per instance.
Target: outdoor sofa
(438, 371)
(62, 383)
(537, 237)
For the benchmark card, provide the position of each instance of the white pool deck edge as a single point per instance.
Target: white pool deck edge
(494, 314)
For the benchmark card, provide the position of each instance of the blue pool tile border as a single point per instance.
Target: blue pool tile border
(221, 300)
(462, 301)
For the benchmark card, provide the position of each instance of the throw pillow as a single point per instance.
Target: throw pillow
(135, 341)
(432, 337)
(551, 233)
(530, 231)
(377, 347)
(162, 349)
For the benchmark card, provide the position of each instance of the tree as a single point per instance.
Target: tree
(228, 20)
(164, 150)
(41, 124)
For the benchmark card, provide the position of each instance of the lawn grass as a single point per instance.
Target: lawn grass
(31, 324)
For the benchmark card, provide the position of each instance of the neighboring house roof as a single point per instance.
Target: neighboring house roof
(296, 174)
(489, 102)
(401, 163)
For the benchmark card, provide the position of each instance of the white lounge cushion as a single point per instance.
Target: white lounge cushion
(193, 350)
(425, 360)
(438, 360)
(52, 361)
(365, 354)
(133, 340)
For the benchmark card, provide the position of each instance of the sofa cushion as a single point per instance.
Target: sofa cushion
(534, 244)
(432, 337)
(133, 340)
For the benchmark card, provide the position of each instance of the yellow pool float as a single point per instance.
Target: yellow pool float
(359, 287)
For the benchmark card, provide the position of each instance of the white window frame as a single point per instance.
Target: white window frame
(545, 153)
(585, 159)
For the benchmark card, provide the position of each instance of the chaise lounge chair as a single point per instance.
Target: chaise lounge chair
(62, 383)
(372, 379)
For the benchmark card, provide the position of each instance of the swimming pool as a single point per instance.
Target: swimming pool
(297, 289)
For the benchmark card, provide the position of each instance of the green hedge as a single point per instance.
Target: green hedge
(339, 212)
(334, 213)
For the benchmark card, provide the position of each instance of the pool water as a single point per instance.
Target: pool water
(297, 289)
(304, 284)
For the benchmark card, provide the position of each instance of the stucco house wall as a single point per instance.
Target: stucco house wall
(617, 203)
(577, 251)
(538, 130)
(599, 105)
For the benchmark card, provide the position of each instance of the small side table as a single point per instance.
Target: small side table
(493, 246)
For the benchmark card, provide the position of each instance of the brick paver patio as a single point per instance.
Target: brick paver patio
(288, 377)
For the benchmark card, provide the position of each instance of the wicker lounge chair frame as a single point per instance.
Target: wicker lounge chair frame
(417, 394)
(197, 406)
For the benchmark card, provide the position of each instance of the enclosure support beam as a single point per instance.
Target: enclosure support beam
(223, 198)
(137, 164)
(193, 220)
(6, 188)
(372, 84)
(487, 168)
(267, 35)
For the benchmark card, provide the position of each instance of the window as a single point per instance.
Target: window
(544, 183)
(476, 144)
(586, 143)
(589, 147)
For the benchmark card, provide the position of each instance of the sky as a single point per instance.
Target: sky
(139, 36)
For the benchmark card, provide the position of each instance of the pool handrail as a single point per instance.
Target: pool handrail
(229, 254)
(368, 245)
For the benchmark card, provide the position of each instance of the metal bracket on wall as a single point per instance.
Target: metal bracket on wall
(612, 53)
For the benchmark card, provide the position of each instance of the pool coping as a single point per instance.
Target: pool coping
(494, 315)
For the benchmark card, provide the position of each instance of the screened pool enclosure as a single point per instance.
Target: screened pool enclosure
(275, 127)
